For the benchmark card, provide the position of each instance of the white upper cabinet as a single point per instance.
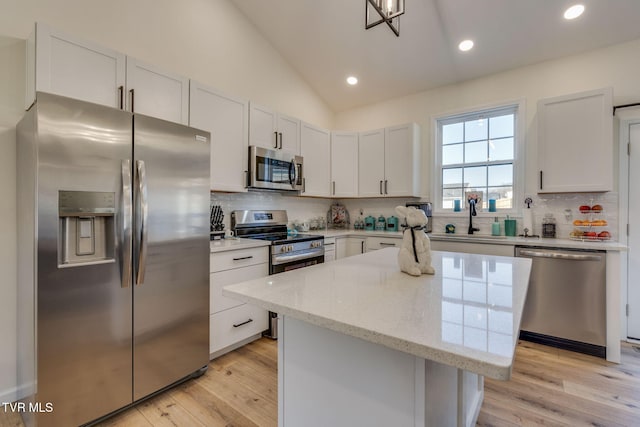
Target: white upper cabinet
(575, 143)
(62, 65)
(289, 133)
(315, 150)
(269, 129)
(388, 162)
(227, 119)
(67, 66)
(402, 160)
(344, 164)
(371, 164)
(157, 93)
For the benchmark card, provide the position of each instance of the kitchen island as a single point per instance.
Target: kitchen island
(362, 343)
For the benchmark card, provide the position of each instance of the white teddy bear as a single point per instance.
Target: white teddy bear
(415, 253)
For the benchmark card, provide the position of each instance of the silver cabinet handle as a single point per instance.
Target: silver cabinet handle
(334, 188)
(304, 184)
(385, 187)
(387, 244)
(132, 96)
(541, 180)
(329, 244)
(121, 96)
(362, 247)
(127, 242)
(144, 214)
(381, 187)
(243, 257)
(559, 255)
(280, 134)
(275, 135)
(236, 325)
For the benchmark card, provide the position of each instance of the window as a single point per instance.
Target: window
(477, 152)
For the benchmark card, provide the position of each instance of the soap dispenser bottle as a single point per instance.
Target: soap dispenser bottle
(495, 227)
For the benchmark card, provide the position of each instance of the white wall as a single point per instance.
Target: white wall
(616, 66)
(12, 73)
(206, 40)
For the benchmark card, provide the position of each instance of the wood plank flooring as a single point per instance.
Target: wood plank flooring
(549, 387)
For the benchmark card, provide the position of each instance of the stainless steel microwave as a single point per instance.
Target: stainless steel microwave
(275, 169)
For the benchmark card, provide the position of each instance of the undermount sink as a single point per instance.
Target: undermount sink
(466, 236)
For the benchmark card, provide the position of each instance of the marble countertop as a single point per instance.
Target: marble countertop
(230, 244)
(486, 239)
(467, 315)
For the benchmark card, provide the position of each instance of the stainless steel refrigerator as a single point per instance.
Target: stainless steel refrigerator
(113, 292)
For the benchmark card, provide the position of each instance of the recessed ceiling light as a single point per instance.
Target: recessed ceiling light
(465, 45)
(574, 11)
(352, 80)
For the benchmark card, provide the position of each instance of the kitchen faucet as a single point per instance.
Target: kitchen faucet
(472, 213)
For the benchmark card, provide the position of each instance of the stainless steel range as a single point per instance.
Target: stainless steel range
(287, 252)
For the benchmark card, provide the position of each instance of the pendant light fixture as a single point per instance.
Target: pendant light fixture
(379, 11)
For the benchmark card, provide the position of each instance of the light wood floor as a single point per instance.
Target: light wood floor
(549, 387)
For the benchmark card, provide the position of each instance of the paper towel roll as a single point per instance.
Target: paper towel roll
(527, 220)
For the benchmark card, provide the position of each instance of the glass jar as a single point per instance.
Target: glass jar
(548, 226)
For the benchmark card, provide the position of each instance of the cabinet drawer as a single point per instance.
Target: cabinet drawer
(375, 243)
(221, 261)
(220, 279)
(224, 333)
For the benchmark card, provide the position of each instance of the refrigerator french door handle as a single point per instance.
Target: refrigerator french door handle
(127, 242)
(144, 213)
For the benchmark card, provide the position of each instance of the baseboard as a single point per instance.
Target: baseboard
(9, 395)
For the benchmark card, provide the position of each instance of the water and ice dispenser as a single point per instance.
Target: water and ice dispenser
(86, 227)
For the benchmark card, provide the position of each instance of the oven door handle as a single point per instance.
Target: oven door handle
(281, 259)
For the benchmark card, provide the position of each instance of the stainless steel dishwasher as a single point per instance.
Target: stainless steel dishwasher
(566, 300)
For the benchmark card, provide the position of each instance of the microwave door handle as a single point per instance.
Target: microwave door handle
(292, 172)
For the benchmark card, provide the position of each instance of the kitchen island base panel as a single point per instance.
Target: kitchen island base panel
(329, 378)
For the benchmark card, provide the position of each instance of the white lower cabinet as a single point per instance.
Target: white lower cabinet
(234, 326)
(375, 243)
(233, 323)
(473, 248)
(329, 249)
(349, 246)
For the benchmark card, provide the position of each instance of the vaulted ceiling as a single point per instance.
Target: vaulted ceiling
(325, 40)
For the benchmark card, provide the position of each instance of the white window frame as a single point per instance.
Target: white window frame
(518, 161)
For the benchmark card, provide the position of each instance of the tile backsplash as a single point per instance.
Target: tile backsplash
(563, 207)
(298, 208)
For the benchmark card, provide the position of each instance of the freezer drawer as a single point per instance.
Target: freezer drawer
(566, 300)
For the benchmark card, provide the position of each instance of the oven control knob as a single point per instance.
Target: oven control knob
(283, 249)
(290, 248)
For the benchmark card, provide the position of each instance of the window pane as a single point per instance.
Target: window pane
(475, 177)
(475, 130)
(501, 175)
(475, 152)
(501, 149)
(452, 154)
(452, 133)
(501, 126)
(449, 195)
(452, 177)
(503, 196)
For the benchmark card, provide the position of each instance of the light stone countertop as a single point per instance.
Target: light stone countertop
(486, 239)
(467, 315)
(231, 244)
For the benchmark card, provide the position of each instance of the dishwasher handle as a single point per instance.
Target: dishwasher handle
(558, 255)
